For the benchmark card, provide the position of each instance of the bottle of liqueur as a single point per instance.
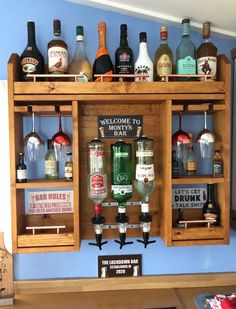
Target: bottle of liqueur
(51, 164)
(21, 169)
(80, 63)
(211, 209)
(186, 53)
(124, 58)
(163, 57)
(190, 162)
(32, 61)
(57, 51)
(217, 164)
(143, 64)
(102, 63)
(69, 167)
(175, 165)
(207, 54)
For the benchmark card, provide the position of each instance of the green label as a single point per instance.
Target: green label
(186, 65)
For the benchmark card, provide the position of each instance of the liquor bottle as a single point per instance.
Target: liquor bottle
(217, 164)
(175, 165)
(211, 209)
(80, 63)
(51, 164)
(57, 51)
(186, 53)
(102, 63)
(180, 218)
(207, 54)
(124, 58)
(143, 64)
(21, 169)
(163, 59)
(69, 167)
(190, 162)
(31, 59)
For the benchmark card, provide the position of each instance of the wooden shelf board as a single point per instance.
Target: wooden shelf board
(47, 240)
(197, 179)
(44, 110)
(198, 233)
(44, 183)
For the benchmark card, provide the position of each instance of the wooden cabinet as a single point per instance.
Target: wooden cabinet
(84, 102)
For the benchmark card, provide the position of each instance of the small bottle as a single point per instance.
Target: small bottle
(102, 63)
(31, 59)
(163, 56)
(21, 169)
(69, 167)
(57, 51)
(80, 63)
(124, 58)
(180, 218)
(51, 164)
(175, 165)
(186, 53)
(217, 164)
(207, 54)
(211, 210)
(190, 162)
(143, 64)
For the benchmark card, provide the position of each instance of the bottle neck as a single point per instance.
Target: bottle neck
(123, 40)
(185, 30)
(164, 41)
(143, 52)
(57, 36)
(31, 35)
(210, 192)
(102, 39)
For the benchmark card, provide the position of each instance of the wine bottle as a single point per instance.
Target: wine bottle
(57, 51)
(186, 53)
(102, 63)
(163, 57)
(69, 167)
(211, 210)
(80, 63)
(207, 54)
(21, 169)
(51, 164)
(32, 61)
(124, 59)
(143, 64)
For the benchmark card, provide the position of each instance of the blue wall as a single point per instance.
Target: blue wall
(157, 259)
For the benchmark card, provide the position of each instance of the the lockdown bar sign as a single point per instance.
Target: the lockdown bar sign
(189, 197)
(120, 126)
(120, 265)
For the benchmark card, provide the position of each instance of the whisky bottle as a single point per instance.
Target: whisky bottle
(207, 54)
(217, 164)
(69, 167)
(31, 59)
(80, 63)
(190, 162)
(102, 63)
(163, 57)
(21, 169)
(211, 210)
(175, 165)
(57, 51)
(124, 58)
(51, 164)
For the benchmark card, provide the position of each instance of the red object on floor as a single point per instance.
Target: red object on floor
(228, 303)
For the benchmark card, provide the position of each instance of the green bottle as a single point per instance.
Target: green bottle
(51, 164)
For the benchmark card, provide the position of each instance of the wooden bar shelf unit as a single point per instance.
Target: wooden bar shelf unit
(157, 102)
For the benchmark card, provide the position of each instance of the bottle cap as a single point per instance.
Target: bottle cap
(123, 28)
(79, 30)
(164, 33)
(143, 37)
(206, 30)
(186, 21)
(57, 27)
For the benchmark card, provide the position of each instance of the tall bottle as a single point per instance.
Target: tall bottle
(190, 162)
(163, 59)
(51, 164)
(102, 63)
(68, 167)
(143, 64)
(217, 164)
(186, 52)
(57, 51)
(211, 209)
(124, 58)
(32, 61)
(80, 63)
(21, 169)
(207, 54)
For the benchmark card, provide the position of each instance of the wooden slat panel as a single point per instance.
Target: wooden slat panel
(48, 240)
(198, 233)
(44, 183)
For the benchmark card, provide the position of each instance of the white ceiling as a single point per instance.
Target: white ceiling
(220, 13)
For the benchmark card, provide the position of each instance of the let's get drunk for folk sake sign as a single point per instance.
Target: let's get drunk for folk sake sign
(188, 197)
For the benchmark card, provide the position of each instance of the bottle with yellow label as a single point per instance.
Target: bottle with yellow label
(190, 162)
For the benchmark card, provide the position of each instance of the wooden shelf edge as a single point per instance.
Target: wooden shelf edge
(45, 183)
(201, 179)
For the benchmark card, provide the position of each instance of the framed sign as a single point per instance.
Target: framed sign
(189, 197)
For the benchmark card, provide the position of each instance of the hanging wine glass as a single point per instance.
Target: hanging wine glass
(180, 141)
(61, 142)
(206, 139)
(33, 144)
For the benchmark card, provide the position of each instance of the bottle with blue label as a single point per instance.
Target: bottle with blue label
(186, 52)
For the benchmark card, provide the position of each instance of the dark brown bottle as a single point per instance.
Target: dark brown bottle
(21, 169)
(207, 54)
(31, 59)
(211, 210)
(57, 51)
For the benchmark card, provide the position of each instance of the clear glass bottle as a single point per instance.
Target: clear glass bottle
(80, 63)
(186, 52)
(143, 64)
(69, 167)
(57, 51)
(207, 54)
(190, 162)
(217, 164)
(32, 61)
(51, 164)
(163, 59)
(211, 209)
(21, 169)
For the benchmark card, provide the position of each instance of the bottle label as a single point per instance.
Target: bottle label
(144, 153)
(21, 174)
(145, 173)
(207, 66)
(57, 60)
(217, 170)
(68, 172)
(121, 189)
(29, 65)
(164, 65)
(144, 69)
(96, 159)
(186, 65)
(97, 184)
(209, 215)
(145, 207)
(190, 166)
(50, 167)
